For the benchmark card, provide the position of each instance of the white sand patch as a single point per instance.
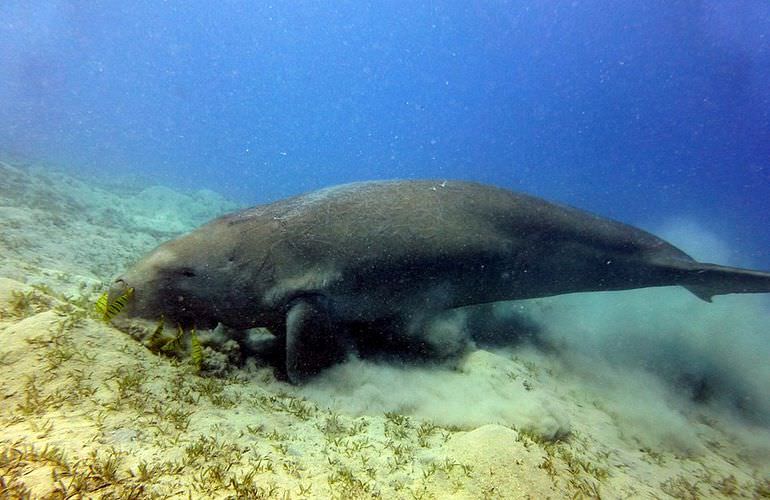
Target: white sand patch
(484, 388)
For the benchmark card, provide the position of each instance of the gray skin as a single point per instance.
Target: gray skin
(385, 254)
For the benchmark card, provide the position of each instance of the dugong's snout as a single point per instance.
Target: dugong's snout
(144, 295)
(153, 299)
(117, 288)
(145, 286)
(122, 292)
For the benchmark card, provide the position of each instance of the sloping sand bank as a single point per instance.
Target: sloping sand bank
(87, 410)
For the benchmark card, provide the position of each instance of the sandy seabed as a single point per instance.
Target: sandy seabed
(87, 411)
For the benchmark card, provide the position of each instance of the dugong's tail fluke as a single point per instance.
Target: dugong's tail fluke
(707, 280)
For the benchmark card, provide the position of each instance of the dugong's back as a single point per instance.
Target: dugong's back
(394, 240)
(410, 221)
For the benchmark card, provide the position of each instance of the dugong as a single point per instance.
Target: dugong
(320, 268)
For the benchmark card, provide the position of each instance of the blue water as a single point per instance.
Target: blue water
(636, 110)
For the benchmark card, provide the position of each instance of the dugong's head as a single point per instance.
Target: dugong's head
(189, 281)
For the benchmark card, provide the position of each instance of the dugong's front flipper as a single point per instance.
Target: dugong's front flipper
(312, 342)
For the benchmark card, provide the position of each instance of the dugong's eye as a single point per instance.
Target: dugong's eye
(187, 272)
